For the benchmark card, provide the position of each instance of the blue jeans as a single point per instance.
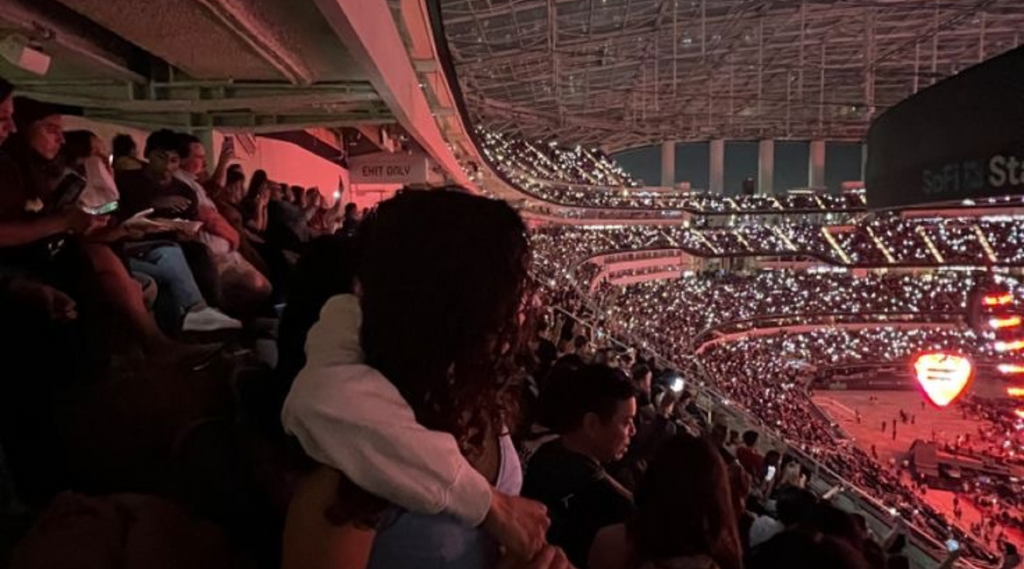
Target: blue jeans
(178, 289)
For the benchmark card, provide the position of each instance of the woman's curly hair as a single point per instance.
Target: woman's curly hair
(443, 277)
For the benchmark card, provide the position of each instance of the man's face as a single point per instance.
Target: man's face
(196, 161)
(275, 191)
(46, 136)
(611, 439)
(645, 383)
(7, 127)
(162, 165)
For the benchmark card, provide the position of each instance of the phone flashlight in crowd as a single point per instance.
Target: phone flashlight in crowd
(771, 474)
(337, 195)
(677, 385)
(952, 545)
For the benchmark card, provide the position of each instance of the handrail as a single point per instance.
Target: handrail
(863, 497)
(927, 544)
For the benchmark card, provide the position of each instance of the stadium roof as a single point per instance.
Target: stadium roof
(624, 73)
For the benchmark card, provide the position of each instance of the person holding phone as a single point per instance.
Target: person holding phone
(180, 304)
(56, 242)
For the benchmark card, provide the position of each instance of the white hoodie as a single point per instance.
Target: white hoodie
(350, 417)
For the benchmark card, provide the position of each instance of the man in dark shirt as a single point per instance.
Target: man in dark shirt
(594, 415)
(286, 224)
(154, 186)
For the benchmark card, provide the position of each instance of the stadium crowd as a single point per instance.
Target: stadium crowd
(766, 375)
(384, 428)
(682, 308)
(880, 242)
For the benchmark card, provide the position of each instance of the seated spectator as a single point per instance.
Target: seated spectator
(595, 420)
(266, 259)
(310, 204)
(802, 550)
(653, 427)
(126, 153)
(795, 508)
(38, 242)
(286, 224)
(747, 454)
(243, 287)
(254, 204)
(685, 516)
(718, 436)
(180, 304)
(386, 451)
(327, 219)
(156, 187)
(350, 223)
(576, 353)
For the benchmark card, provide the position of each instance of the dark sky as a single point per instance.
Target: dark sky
(842, 163)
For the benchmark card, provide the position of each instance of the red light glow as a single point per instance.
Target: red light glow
(1001, 299)
(1007, 322)
(942, 376)
(1015, 391)
(1010, 369)
(1010, 346)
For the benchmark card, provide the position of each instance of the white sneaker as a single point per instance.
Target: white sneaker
(207, 320)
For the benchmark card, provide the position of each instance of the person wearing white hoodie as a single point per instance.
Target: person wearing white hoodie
(350, 417)
(379, 444)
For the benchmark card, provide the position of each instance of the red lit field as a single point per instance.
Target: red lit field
(946, 424)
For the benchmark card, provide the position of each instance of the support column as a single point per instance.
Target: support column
(765, 166)
(863, 162)
(716, 166)
(206, 137)
(816, 164)
(668, 163)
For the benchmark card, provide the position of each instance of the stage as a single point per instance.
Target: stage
(876, 407)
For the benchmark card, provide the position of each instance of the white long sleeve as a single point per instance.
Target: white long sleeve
(348, 416)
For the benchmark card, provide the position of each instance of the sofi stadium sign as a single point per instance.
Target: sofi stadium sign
(975, 175)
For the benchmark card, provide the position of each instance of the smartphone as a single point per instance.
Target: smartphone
(337, 195)
(107, 208)
(677, 385)
(952, 545)
(771, 474)
(229, 144)
(68, 190)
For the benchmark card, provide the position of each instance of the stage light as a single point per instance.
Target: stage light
(1015, 391)
(1009, 346)
(1010, 369)
(1007, 322)
(942, 376)
(997, 299)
